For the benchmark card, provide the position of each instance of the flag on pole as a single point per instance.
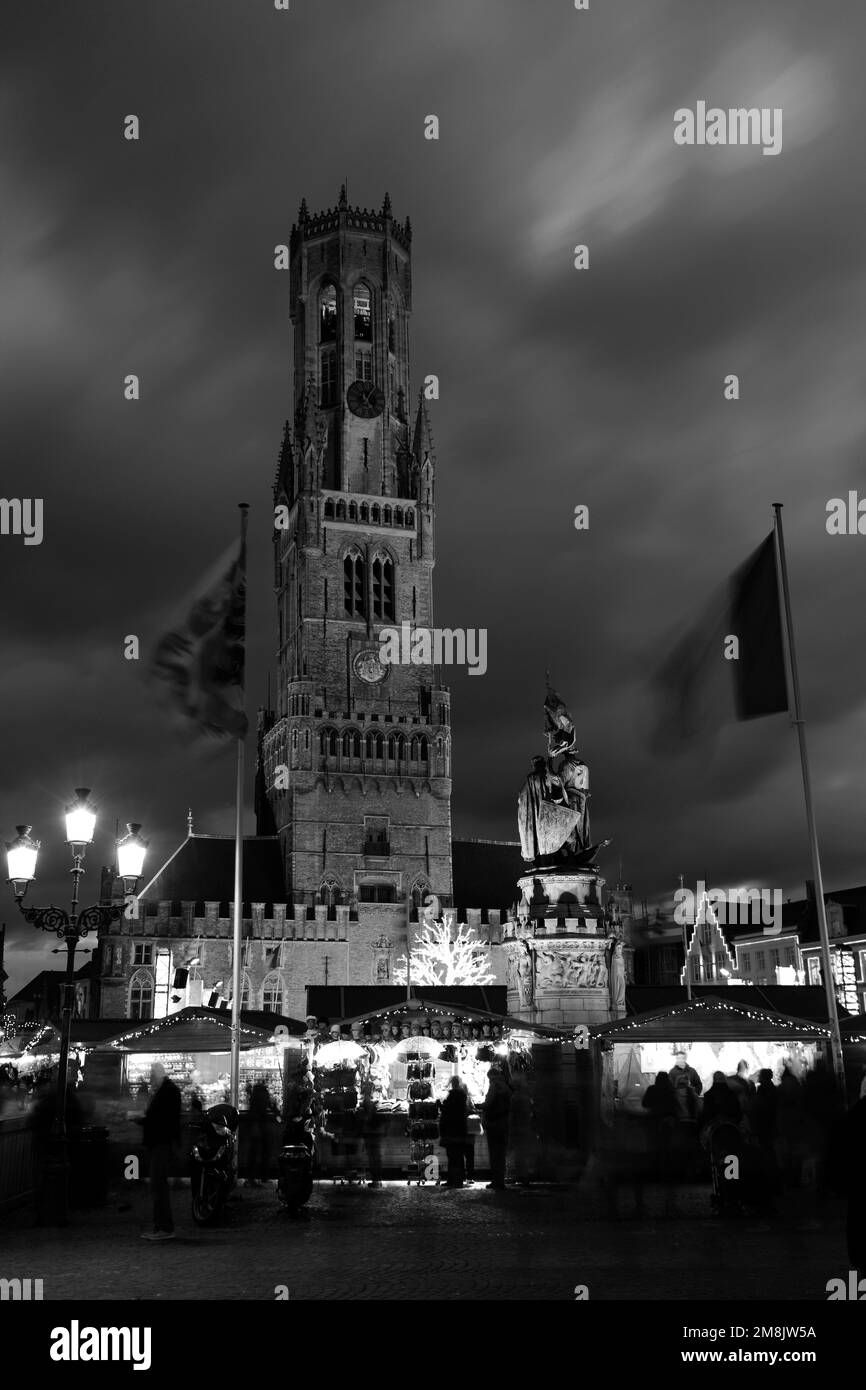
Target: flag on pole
(710, 679)
(199, 662)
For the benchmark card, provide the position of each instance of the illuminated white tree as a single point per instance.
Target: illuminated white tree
(441, 956)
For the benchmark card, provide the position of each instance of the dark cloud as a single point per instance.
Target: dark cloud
(558, 388)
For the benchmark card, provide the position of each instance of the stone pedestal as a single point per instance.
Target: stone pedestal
(557, 969)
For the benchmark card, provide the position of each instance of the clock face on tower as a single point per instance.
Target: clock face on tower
(369, 666)
(366, 399)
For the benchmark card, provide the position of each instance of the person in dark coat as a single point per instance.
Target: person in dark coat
(762, 1117)
(720, 1102)
(260, 1113)
(452, 1131)
(854, 1159)
(161, 1135)
(497, 1111)
(660, 1101)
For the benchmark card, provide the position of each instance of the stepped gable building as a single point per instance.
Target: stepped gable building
(354, 773)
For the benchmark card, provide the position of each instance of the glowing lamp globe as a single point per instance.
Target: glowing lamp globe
(131, 851)
(21, 856)
(80, 819)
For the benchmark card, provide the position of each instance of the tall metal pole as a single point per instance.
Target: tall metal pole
(832, 1012)
(239, 851)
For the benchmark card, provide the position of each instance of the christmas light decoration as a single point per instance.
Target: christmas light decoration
(441, 958)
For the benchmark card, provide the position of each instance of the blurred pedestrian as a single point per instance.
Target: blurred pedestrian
(521, 1121)
(497, 1111)
(261, 1112)
(161, 1136)
(452, 1131)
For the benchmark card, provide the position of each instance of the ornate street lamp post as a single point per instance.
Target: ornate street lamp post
(70, 927)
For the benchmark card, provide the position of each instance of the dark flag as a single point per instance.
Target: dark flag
(200, 661)
(699, 688)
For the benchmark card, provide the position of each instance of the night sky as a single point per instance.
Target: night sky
(558, 387)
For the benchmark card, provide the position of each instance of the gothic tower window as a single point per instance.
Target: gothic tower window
(329, 893)
(328, 743)
(365, 512)
(353, 511)
(363, 314)
(353, 584)
(374, 514)
(351, 744)
(424, 748)
(398, 516)
(401, 748)
(410, 517)
(141, 995)
(383, 588)
(328, 315)
(386, 516)
(363, 364)
(329, 507)
(328, 392)
(245, 991)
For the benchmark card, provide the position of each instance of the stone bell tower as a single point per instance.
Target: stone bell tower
(355, 760)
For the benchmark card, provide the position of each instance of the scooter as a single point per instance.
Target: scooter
(295, 1183)
(212, 1159)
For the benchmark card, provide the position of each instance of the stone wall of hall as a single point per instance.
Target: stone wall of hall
(281, 951)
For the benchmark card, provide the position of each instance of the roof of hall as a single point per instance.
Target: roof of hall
(202, 869)
(485, 873)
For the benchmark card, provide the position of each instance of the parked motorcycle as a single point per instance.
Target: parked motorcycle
(212, 1158)
(295, 1162)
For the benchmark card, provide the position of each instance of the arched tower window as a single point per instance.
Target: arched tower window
(328, 378)
(272, 993)
(383, 588)
(329, 742)
(329, 507)
(424, 749)
(398, 516)
(328, 315)
(329, 893)
(353, 511)
(386, 516)
(353, 585)
(374, 514)
(365, 512)
(363, 314)
(141, 995)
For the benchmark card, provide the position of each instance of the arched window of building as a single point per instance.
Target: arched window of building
(328, 315)
(305, 704)
(369, 746)
(363, 364)
(294, 740)
(329, 893)
(363, 314)
(379, 746)
(329, 508)
(365, 512)
(425, 750)
(398, 516)
(383, 588)
(410, 517)
(353, 511)
(272, 993)
(413, 751)
(353, 584)
(246, 992)
(307, 739)
(401, 748)
(141, 995)
(341, 510)
(386, 516)
(392, 748)
(328, 743)
(374, 514)
(327, 378)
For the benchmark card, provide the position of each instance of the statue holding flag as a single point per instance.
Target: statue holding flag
(552, 809)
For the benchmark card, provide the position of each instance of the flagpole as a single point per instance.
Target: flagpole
(239, 891)
(832, 1011)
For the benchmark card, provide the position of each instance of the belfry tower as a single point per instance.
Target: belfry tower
(355, 760)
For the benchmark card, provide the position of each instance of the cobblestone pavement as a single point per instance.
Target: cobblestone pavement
(415, 1243)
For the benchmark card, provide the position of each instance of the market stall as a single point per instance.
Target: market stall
(715, 1033)
(391, 1068)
